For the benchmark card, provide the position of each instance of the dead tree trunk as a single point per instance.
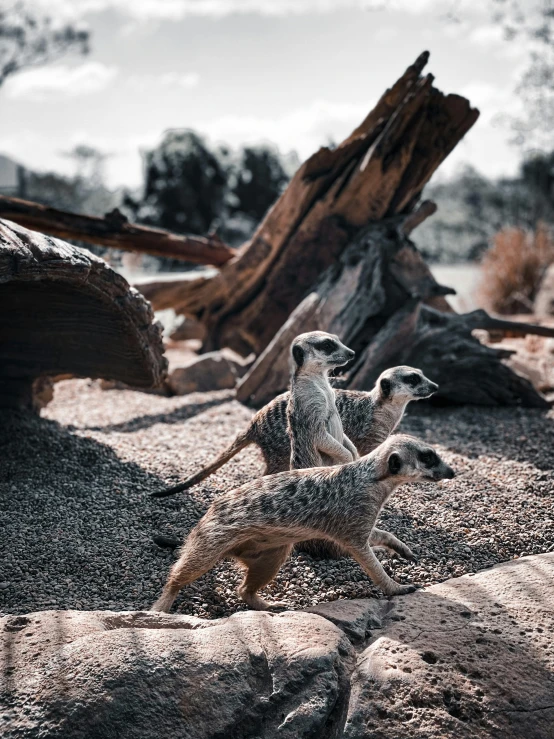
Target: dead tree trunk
(63, 310)
(378, 298)
(378, 171)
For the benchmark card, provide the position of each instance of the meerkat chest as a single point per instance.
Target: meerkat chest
(333, 424)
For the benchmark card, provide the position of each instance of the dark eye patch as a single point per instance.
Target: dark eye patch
(412, 380)
(429, 458)
(327, 346)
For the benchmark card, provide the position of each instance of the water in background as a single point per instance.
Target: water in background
(464, 278)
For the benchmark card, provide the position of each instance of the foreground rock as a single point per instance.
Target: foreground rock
(472, 657)
(103, 675)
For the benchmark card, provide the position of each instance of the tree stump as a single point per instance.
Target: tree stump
(63, 310)
(377, 172)
(381, 300)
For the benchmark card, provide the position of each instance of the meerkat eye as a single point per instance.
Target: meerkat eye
(429, 458)
(327, 346)
(412, 380)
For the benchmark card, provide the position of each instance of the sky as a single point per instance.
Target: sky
(297, 73)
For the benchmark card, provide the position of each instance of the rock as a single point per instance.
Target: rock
(188, 329)
(355, 617)
(471, 657)
(544, 299)
(211, 371)
(240, 365)
(107, 675)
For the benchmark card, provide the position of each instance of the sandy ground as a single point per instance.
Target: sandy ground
(77, 519)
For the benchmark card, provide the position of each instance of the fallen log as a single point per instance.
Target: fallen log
(64, 311)
(380, 302)
(115, 231)
(377, 172)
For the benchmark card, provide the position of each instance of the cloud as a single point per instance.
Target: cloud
(304, 129)
(60, 80)
(184, 81)
(178, 9)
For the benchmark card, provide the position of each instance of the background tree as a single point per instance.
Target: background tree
(29, 38)
(185, 185)
(532, 21)
(259, 180)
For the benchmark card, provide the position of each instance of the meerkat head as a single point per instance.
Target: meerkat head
(409, 459)
(405, 384)
(318, 351)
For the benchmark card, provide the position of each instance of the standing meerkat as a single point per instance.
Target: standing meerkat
(259, 523)
(368, 418)
(314, 425)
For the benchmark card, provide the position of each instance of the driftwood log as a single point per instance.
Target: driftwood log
(379, 298)
(377, 172)
(115, 231)
(334, 254)
(63, 310)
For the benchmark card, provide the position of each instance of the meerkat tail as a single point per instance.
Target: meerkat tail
(241, 441)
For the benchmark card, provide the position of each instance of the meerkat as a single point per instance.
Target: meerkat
(314, 425)
(368, 418)
(313, 422)
(259, 523)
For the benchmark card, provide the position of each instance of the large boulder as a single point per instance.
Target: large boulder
(212, 371)
(470, 658)
(102, 675)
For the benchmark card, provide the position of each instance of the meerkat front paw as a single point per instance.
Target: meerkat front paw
(277, 606)
(405, 589)
(406, 553)
(397, 589)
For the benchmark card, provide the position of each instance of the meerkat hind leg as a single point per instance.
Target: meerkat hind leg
(365, 557)
(261, 568)
(194, 562)
(381, 538)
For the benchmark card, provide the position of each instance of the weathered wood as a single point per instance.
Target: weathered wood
(467, 372)
(115, 231)
(63, 310)
(380, 271)
(376, 298)
(377, 171)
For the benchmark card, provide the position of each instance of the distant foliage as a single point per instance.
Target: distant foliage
(513, 268)
(185, 185)
(192, 188)
(29, 38)
(473, 208)
(259, 178)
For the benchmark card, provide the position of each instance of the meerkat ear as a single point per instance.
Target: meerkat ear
(395, 463)
(298, 355)
(386, 387)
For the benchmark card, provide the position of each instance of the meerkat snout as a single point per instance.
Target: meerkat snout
(413, 460)
(405, 383)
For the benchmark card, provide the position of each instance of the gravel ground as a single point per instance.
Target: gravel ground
(77, 520)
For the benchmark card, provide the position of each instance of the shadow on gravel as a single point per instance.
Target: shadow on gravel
(76, 521)
(433, 543)
(143, 422)
(518, 434)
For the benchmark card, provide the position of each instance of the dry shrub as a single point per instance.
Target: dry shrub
(513, 267)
